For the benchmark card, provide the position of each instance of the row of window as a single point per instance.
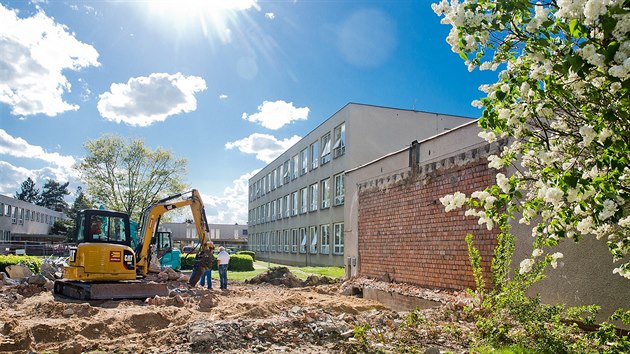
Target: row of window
(19, 215)
(316, 240)
(307, 199)
(307, 160)
(5, 235)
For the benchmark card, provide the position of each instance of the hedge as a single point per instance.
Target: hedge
(238, 262)
(251, 253)
(32, 262)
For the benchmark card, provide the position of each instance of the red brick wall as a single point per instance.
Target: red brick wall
(404, 231)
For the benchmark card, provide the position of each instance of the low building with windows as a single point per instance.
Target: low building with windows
(232, 236)
(25, 226)
(296, 203)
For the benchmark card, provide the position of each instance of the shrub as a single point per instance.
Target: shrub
(33, 263)
(251, 253)
(241, 263)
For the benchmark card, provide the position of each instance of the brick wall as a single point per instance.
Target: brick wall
(404, 233)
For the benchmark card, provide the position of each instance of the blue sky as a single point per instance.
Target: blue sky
(228, 85)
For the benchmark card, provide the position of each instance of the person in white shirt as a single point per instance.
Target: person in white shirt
(223, 259)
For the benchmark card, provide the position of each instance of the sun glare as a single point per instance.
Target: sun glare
(211, 17)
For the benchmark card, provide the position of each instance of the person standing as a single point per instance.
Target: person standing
(203, 264)
(208, 262)
(223, 259)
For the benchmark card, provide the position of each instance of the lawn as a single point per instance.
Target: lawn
(300, 272)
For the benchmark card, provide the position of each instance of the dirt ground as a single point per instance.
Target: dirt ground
(263, 316)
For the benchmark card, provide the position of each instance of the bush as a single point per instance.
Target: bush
(238, 262)
(241, 263)
(250, 253)
(33, 263)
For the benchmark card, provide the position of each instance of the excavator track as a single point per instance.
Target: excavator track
(109, 290)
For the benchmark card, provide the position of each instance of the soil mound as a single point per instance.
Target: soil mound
(283, 276)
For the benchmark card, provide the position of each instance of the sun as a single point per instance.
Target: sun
(211, 17)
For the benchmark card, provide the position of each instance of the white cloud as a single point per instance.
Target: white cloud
(265, 146)
(18, 147)
(11, 177)
(275, 115)
(231, 207)
(223, 96)
(34, 53)
(143, 101)
(270, 15)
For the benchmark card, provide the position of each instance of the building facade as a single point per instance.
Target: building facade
(25, 224)
(185, 234)
(296, 203)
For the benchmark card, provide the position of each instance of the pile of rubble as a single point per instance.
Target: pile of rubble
(18, 281)
(283, 276)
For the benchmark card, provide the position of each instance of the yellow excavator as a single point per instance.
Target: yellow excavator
(104, 266)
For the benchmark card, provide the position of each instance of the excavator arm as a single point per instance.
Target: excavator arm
(151, 218)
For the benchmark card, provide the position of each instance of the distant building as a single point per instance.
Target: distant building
(227, 235)
(296, 203)
(25, 224)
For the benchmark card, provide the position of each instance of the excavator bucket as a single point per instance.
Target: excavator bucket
(109, 290)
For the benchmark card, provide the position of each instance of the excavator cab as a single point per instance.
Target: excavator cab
(168, 255)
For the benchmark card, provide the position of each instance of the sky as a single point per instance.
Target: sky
(227, 85)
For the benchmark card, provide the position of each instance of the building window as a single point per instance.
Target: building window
(272, 241)
(340, 140)
(325, 235)
(279, 176)
(326, 193)
(303, 200)
(28, 215)
(339, 189)
(273, 210)
(21, 216)
(272, 180)
(32, 215)
(286, 206)
(14, 215)
(294, 204)
(286, 176)
(7, 210)
(7, 235)
(38, 216)
(263, 213)
(295, 164)
(279, 210)
(295, 238)
(304, 241)
(285, 237)
(313, 235)
(269, 213)
(304, 161)
(1, 211)
(338, 230)
(314, 193)
(326, 148)
(314, 155)
(263, 185)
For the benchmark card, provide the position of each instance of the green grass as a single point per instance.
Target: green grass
(300, 272)
(512, 349)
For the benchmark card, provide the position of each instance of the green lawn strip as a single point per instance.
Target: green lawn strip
(300, 272)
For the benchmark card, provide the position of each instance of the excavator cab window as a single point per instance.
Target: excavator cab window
(103, 226)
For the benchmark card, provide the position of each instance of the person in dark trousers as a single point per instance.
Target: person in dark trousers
(209, 262)
(223, 259)
(203, 264)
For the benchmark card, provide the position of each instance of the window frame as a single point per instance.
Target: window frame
(326, 149)
(313, 196)
(339, 136)
(324, 238)
(338, 238)
(314, 152)
(312, 230)
(340, 192)
(325, 193)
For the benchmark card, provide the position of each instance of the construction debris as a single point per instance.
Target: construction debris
(274, 312)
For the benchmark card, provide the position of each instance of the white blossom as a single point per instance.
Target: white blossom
(554, 259)
(526, 265)
(503, 182)
(453, 201)
(610, 208)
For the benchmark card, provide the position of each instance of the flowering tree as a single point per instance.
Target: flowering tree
(563, 100)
